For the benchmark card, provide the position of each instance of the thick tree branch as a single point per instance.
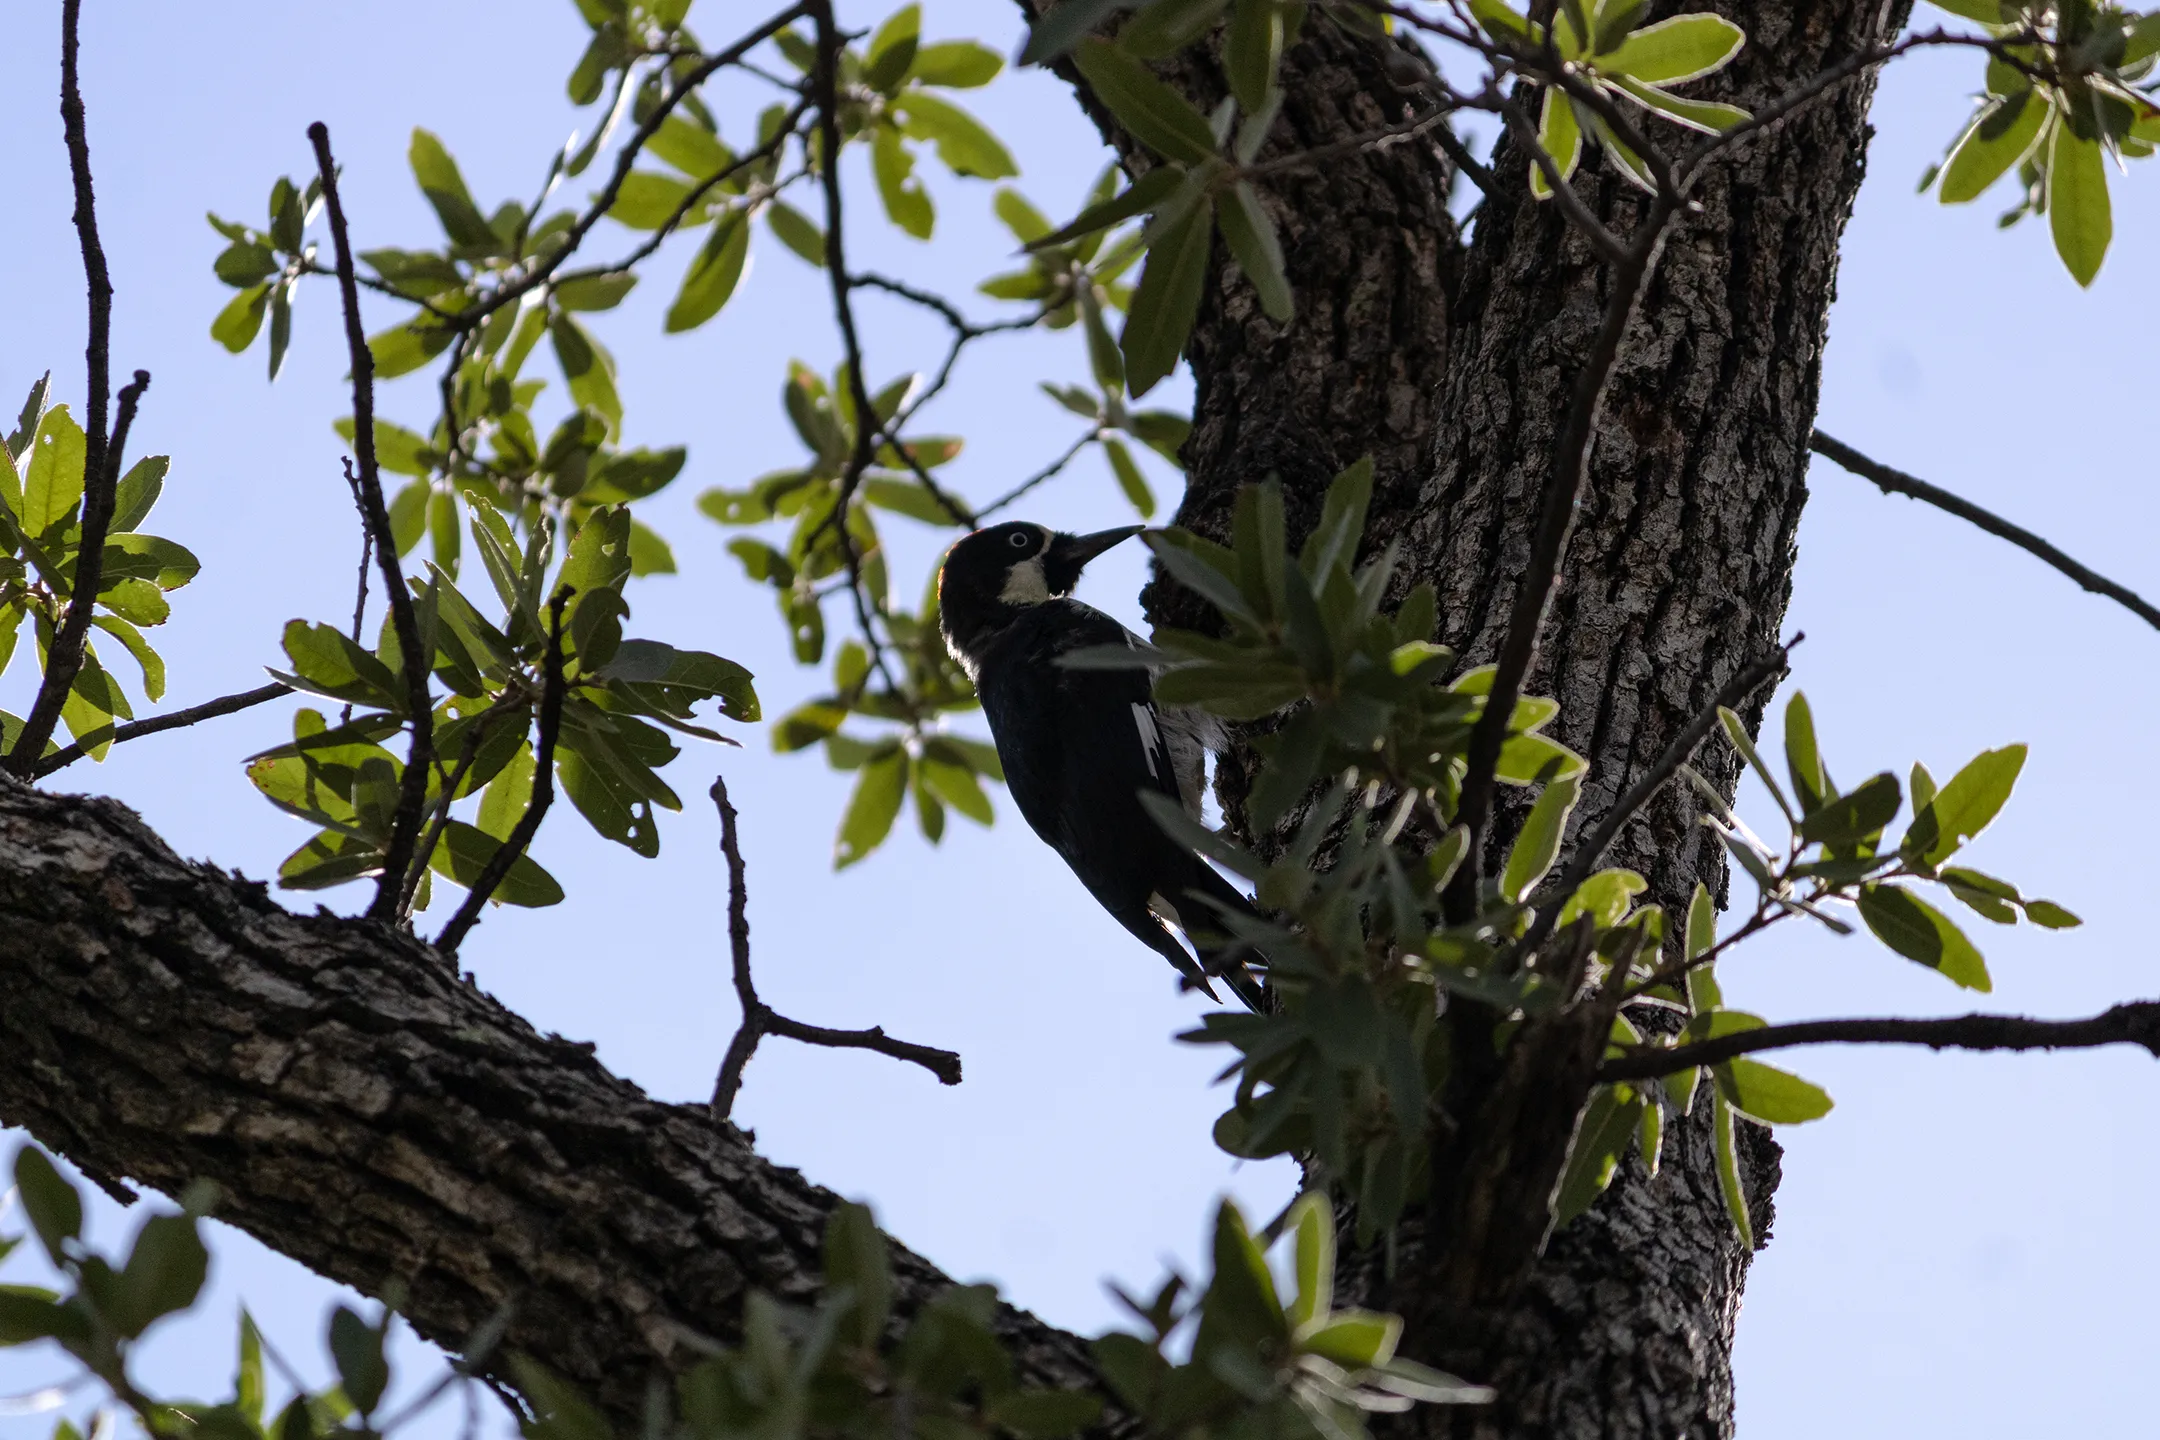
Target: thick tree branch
(135, 730)
(412, 790)
(1897, 482)
(760, 1019)
(369, 1114)
(2134, 1023)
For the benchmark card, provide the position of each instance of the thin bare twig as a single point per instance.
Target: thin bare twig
(543, 790)
(1072, 451)
(2135, 1023)
(412, 791)
(760, 1019)
(1589, 851)
(1897, 482)
(178, 719)
(63, 661)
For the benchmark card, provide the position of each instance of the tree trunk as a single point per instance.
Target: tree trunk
(1678, 575)
(372, 1116)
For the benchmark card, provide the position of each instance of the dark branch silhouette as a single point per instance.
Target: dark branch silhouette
(178, 719)
(2134, 1023)
(101, 455)
(1897, 482)
(760, 1019)
(412, 790)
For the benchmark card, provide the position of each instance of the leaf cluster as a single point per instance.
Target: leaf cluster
(41, 503)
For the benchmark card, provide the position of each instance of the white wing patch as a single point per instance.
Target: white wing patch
(1151, 739)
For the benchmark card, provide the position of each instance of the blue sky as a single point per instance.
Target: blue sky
(1959, 1247)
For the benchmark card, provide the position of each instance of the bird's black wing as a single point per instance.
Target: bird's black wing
(1078, 748)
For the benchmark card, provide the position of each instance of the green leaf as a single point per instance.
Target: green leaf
(1163, 309)
(956, 65)
(236, 325)
(1164, 27)
(892, 49)
(465, 851)
(879, 789)
(690, 147)
(151, 663)
(694, 672)
(589, 369)
(1252, 53)
(857, 1257)
(1920, 932)
(164, 563)
(1771, 1095)
(164, 1273)
(1499, 21)
(593, 292)
(1736, 731)
(1252, 239)
(1964, 807)
(963, 143)
(53, 1204)
(53, 478)
(409, 515)
(1803, 760)
(1728, 1172)
(1999, 137)
(1355, 1339)
(1065, 24)
(1602, 1133)
(2079, 215)
(1144, 194)
(445, 190)
(797, 231)
(1854, 817)
(1560, 137)
(1312, 1225)
(1711, 117)
(2048, 914)
(137, 491)
(403, 349)
(1157, 115)
(357, 1348)
(1987, 12)
(326, 662)
(1044, 1414)
(907, 204)
(1129, 478)
(1681, 48)
(1537, 845)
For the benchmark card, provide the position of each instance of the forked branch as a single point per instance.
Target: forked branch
(760, 1019)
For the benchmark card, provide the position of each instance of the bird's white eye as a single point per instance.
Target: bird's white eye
(1020, 540)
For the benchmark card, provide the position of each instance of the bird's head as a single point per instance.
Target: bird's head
(990, 577)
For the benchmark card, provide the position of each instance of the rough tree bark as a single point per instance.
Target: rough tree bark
(1678, 575)
(373, 1117)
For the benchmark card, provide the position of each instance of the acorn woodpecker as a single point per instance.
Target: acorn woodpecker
(1080, 745)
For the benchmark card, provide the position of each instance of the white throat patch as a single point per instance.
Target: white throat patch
(1025, 584)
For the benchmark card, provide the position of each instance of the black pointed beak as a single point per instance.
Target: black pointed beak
(1077, 550)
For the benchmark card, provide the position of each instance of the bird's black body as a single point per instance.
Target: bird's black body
(1080, 746)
